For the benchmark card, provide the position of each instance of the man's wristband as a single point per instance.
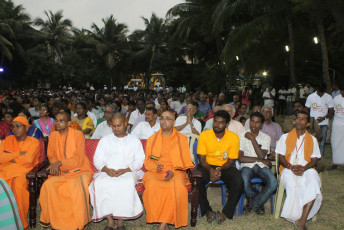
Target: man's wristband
(288, 166)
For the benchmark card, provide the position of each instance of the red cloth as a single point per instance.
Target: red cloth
(4, 129)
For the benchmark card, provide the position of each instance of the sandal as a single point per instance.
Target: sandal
(211, 217)
(220, 217)
(261, 211)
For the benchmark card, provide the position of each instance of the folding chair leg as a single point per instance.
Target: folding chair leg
(223, 192)
(279, 198)
(241, 205)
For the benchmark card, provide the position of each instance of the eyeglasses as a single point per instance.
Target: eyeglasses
(189, 109)
(16, 126)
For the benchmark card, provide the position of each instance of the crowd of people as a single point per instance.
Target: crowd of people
(237, 140)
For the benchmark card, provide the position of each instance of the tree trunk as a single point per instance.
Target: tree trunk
(291, 51)
(326, 73)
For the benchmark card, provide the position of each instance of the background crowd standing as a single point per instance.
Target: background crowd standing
(92, 112)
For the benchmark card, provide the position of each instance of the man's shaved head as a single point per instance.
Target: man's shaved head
(171, 114)
(118, 116)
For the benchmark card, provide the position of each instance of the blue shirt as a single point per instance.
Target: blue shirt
(204, 108)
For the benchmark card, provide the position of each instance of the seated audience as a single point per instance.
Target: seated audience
(167, 158)
(64, 197)
(118, 158)
(147, 128)
(254, 147)
(218, 149)
(18, 155)
(298, 154)
(188, 124)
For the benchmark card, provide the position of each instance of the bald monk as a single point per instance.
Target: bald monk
(64, 195)
(168, 157)
(18, 155)
(119, 156)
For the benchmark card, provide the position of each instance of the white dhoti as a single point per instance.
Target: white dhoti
(115, 197)
(300, 191)
(337, 145)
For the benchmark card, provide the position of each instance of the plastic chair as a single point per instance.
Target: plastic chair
(280, 192)
(192, 138)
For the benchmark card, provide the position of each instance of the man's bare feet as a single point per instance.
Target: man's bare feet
(111, 222)
(300, 225)
(163, 226)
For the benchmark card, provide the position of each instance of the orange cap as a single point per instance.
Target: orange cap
(22, 120)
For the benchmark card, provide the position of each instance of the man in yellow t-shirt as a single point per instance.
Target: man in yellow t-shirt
(218, 149)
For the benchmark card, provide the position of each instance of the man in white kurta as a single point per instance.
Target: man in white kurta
(299, 178)
(337, 136)
(147, 128)
(188, 124)
(118, 157)
(103, 129)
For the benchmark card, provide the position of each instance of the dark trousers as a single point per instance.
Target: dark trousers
(235, 187)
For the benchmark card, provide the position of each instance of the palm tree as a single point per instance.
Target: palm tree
(249, 27)
(57, 33)
(13, 23)
(6, 34)
(153, 41)
(318, 10)
(110, 43)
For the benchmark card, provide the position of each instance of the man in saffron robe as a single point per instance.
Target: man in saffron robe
(168, 157)
(18, 155)
(298, 153)
(64, 196)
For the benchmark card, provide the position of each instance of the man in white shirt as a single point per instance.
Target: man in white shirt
(188, 124)
(298, 154)
(320, 105)
(34, 111)
(147, 128)
(105, 127)
(254, 148)
(269, 96)
(117, 158)
(209, 123)
(337, 136)
(291, 95)
(139, 112)
(282, 100)
(234, 125)
(178, 105)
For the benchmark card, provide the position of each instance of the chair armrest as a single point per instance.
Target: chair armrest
(194, 173)
(43, 173)
(36, 169)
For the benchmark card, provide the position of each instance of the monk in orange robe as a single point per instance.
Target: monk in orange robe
(18, 155)
(64, 196)
(167, 158)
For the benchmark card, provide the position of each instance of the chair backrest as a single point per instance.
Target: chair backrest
(91, 146)
(90, 149)
(43, 150)
(192, 138)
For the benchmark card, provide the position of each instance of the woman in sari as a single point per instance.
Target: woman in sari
(44, 123)
(82, 121)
